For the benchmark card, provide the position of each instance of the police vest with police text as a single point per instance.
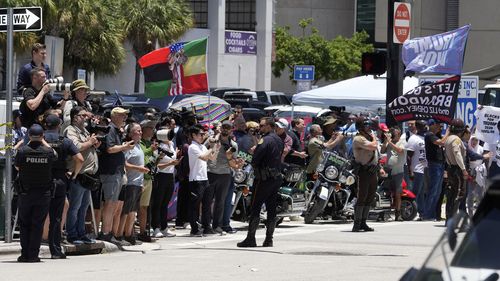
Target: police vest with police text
(35, 170)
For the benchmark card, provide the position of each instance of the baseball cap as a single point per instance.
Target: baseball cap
(383, 127)
(227, 123)
(35, 131)
(52, 120)
(282, 123)
(329, 120)
(431, 122)
(119, 110)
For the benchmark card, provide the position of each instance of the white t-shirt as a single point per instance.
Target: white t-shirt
(170, 148)
(197, 167)
(416, 143)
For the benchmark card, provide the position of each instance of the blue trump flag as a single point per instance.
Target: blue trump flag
(441, 53)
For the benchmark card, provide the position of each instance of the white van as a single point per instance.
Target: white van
(271, 97)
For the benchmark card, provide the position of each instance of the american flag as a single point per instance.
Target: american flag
(174, 48)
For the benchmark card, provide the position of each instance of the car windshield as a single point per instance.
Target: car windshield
(476, 255)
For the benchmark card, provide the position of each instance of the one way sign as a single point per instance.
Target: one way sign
(25, 19)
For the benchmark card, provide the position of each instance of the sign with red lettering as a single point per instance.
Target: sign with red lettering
(402, 20)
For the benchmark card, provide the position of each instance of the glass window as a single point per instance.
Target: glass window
(365, 18)
(240, 15)
(200, 13)
(275, 100)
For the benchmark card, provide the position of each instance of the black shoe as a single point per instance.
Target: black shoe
(58, 257)
(365, 227)
(229, 230)
(25, 259)
(106, 237)
(247, 243)
(122, 242)
(144, 237)
(132, 240)
(268, 242)
(356, 227)
(209, 231)
(198, 233)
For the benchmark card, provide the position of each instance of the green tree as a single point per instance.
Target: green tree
(335, 59)
(151, 22)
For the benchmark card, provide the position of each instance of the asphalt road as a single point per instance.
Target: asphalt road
(322, 251)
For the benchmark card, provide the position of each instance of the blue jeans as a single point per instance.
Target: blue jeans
(228, 207)
(418, 189)
(79, 200)
(436, 173)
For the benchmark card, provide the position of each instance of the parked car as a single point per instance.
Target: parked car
(219, 92)
(271, 97)
(469, 248)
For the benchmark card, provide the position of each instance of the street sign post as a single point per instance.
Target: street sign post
(13, 19)
(303, 72)
(402, 19)
(23, 19)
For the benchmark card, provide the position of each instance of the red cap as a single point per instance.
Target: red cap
(383, 127)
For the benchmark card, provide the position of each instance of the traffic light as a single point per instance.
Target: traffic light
(373, 63)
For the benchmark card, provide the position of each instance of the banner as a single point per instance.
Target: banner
(178, 69)
(441, 53)
(487, 120)
(434, 100)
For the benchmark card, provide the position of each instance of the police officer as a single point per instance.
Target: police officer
(64, 147)
(266, 162)
(34, 162)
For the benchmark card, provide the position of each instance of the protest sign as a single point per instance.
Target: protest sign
(487, 119)
(434, 100)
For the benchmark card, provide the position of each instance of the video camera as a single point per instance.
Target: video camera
(57, 84)
(100, 131)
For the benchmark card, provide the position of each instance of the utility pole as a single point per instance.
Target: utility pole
(394, 65)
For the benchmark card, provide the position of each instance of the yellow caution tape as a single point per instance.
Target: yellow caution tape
(8, 124)
(6, 147)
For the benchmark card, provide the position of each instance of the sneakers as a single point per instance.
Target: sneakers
(229, 230)
(120, 241)
(58, 257)
(158, 234)
(168, 233)
(198, 233)
(220, 230)
(25, 259)
(132, 240)
(87, 240)
(76, 241)
(144, 237)
(182, 226)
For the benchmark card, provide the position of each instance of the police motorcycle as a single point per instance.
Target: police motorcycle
(291, 200)
(331, 194)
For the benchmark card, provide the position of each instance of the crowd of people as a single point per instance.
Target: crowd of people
(70, 157)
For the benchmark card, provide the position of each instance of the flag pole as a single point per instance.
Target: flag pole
(208, 85)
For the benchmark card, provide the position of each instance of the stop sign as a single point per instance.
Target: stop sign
(402, 16)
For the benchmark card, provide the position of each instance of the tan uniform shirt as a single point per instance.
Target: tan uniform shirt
(454, 149)
(78, 137)
(315, 151)
(361, 154)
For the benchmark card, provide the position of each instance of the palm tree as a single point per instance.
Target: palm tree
(147, 22)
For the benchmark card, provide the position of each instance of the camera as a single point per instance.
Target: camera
(57, 84)
(166, 152)
(100, 131)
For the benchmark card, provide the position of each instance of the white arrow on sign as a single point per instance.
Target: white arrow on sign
(28, 19)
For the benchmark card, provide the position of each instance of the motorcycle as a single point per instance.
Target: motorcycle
(382, 205)
(331, 194)
(290, 202)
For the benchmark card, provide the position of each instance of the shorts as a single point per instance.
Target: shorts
(396, 183)
(132, 196)
(146, 194)
(96, 198)
(111, 186)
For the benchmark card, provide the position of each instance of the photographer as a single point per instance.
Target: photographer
(394, 146)
(79, 92)
(315, 147)
(37, 99)
(79, 192)
(164, 183)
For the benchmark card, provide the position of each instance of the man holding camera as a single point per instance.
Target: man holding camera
(79, 193)
(37, 99)
(79, 93)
